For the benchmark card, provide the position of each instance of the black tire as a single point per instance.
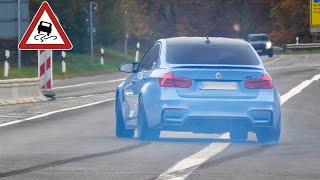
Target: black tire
(269, 135)
(121, 131)
(144, 132)
(239, 134)
(270, 54)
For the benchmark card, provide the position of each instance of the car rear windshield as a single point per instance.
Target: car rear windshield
(211, 54)
(258, 38)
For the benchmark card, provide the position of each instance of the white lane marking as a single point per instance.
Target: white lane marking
(85, 96)
(185, 167)
(86, 84)
(54, 112)
(298, 89)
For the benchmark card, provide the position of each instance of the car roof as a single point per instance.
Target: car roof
(257, 35)
(201, 40)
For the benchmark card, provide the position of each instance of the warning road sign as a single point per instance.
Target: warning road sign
(45, 32)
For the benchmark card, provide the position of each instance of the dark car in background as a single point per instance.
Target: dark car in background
(261, 43)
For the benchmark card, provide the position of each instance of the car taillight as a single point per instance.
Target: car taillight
(261, 83)
(169, 80)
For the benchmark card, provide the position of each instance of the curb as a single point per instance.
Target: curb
(20, 91)
(23, 101)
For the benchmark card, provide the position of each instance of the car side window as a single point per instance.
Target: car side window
(150, 59)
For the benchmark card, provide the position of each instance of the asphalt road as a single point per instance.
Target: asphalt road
(80, 144)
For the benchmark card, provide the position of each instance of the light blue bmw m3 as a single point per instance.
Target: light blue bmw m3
(199, 85)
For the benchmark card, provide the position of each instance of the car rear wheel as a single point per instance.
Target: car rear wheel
(269, 135)
(144, 131)
(121, 131)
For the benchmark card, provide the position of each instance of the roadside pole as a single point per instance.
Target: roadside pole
(6, 63)
(102, 57)
(91, 32)
(19, 33)
(63, 62)
(91, 23)
(126, 35)
(137, 52)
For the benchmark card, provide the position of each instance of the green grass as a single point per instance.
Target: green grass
(78, 65)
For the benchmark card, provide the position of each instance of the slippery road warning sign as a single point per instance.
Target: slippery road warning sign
(45, 32)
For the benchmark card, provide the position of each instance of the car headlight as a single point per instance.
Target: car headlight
(268, 45)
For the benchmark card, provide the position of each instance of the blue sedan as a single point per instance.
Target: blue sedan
(199, 85)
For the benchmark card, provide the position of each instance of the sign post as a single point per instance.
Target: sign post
(45, 34)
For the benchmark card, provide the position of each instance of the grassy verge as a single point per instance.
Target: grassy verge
(77, 65)
(293, 52)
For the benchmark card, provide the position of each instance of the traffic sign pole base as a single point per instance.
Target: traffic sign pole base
(49, 94)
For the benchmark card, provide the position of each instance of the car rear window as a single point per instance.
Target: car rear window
(211, 54)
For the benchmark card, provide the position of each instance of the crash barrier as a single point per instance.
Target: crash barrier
(16, 91)
(277, 49)
(302, 46)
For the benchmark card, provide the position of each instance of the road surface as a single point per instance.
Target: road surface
(80, 144)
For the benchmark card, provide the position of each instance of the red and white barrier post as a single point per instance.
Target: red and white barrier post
(45, 71)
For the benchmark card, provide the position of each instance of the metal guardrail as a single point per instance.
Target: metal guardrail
(303, 46)
(277, 49)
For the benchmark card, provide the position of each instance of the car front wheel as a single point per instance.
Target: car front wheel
(121, 131)
(144, 131)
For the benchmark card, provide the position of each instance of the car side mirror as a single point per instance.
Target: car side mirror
(127, 67)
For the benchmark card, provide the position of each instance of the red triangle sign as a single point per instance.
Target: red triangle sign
(45, 32)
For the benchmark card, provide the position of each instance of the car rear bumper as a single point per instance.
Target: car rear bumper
(213, 115)
(218, 114)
